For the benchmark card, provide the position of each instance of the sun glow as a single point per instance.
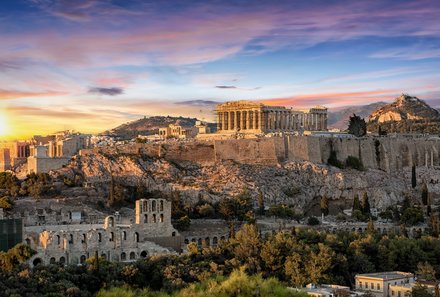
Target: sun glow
(4, 125)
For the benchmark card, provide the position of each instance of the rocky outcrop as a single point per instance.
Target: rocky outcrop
(299, 183)
(403, 108)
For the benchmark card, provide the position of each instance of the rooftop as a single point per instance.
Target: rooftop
(387, 275)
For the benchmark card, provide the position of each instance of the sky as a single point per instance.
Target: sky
(90, 65)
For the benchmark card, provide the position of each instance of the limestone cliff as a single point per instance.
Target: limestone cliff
(300, 183)
(404, 108)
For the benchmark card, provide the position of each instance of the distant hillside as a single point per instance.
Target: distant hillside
(148, 126)
(339, 118)
(406, 114)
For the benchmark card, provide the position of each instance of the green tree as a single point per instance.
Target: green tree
(370, 228)
(425, 271)
(412, 216)
(6, 203)
(313, 221)
(295, 270)
(357, 126)
(246, 246)
(421, 291)
(319, 264)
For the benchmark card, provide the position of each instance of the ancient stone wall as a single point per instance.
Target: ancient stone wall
(45, 165)
(249, 151)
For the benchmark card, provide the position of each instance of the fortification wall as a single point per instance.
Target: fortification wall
(250, 151)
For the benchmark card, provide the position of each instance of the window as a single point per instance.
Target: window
(392, 293)
(398, 294)
(153, 205)
(124, 235)
(71, 239)
(83, 238)
(132, 256)
(161, 205)
(378, 286)
(58, 239)
(145, 218)
(99, 237)
(136, 237)
(123, 256)
(366, 285)
(161, 218)
(154, 218)
(112, 236)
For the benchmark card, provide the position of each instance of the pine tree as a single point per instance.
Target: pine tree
(413, 177)
(357, 126)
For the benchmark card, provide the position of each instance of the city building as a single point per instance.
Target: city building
(379, 283)
(405, 290)
(13, 153)
(324, 290)
(11, 232)
(251, 117)
(178, 131)
(54, 151)
(151, 234)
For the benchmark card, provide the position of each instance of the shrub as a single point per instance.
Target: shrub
(313, 221)
(353, 162)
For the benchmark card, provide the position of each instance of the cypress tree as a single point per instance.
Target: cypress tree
(413, 177)
(356, 203)
(365, 206)
(425, 194)
(324, 205)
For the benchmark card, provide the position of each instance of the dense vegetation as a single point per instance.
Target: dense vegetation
(293, 258)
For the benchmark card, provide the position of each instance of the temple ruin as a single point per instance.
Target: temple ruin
(251, 117)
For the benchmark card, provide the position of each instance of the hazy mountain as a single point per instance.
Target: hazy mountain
(338, 118)
(148, 126)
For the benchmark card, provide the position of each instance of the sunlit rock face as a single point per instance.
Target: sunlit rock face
(405, 107)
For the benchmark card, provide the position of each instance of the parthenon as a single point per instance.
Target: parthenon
(251, 117)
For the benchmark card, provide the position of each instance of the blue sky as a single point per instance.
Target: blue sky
(93, 64)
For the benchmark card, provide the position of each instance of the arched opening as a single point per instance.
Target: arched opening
(186, 241)
(207, 241)
(37, 261)
(124, 235)
(154, 218)
(132, 256)
(136, 237)
(52, 260)
(71, 239)
(84, 238)
(145, 205)
(82, 259)
(193, 240)
(145, 218)
(62, 260)
(161, 205)
(104, 256)
(144, 254)
(123, 256)
(112, 236)
(173, 234)
(199, 242)
(161, 218)
(99, 237)
(28, 241)
(58, 239)
(111, 221)
(153, 205)
(214, 240)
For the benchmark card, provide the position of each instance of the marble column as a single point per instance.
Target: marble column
(254, 119)
(261, 121)
(230, 125)
(242, 120)
(219, 121)
(235, 120)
